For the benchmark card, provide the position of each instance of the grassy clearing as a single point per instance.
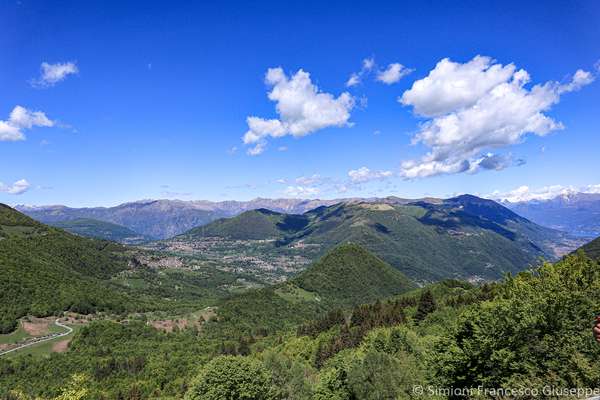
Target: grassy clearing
(43, 349)
(293, 293)
(15, 336)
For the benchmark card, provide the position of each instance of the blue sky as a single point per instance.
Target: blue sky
(158, 104)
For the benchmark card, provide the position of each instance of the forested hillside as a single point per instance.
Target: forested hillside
(100, 230)
(45, 270)
(592, 249)
(348, 275)
(531, 331)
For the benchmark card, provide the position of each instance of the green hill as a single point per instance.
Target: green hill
(464, 237)
(349, 275)
(45, 270)
(94, 228)
(592, 249)
(251, 225)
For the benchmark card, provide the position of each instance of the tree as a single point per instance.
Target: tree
(232, 377)
(376, 376)
(75, 389)
(426, 305)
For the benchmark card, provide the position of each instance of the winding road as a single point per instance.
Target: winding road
(51, 337)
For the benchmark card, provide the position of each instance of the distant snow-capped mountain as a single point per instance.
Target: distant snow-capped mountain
(575, 213)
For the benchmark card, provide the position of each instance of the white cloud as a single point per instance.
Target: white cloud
(301, 191)
(309, 180)
(450, 85)
(51, 74)
(257, 149)
(19, 187)
(475, 107)
(21, 119)
(353, 80)
(525, 193)
(302, 108)
(364, 174)
(393, 73)
(580, 79)
(367, 65)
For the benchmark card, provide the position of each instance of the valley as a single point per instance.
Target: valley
(299, 200)
(308, 289)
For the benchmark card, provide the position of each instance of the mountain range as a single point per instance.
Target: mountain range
(575, 213)
(161, 219)
(463, 237)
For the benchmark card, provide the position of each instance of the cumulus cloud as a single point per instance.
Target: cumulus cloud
(364, 174)
(451, 85)
(51, 74)
(19, 187)
(301, 191)
(393, 73)
(525, 193)
(475, 107)
(21, 119)
(302, 108)
(367, 66)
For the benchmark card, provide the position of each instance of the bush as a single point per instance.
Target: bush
(232, 377)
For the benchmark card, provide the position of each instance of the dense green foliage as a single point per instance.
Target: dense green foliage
(233, 377)
(592, 249)
(44, 270)
(349, 275)
(536, 332)
(122, 360)
(425, 306)
(100, 230)
(531, 330)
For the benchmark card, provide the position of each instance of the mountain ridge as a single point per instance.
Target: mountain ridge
(161, 219)
(461, 237)
(97, 229)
